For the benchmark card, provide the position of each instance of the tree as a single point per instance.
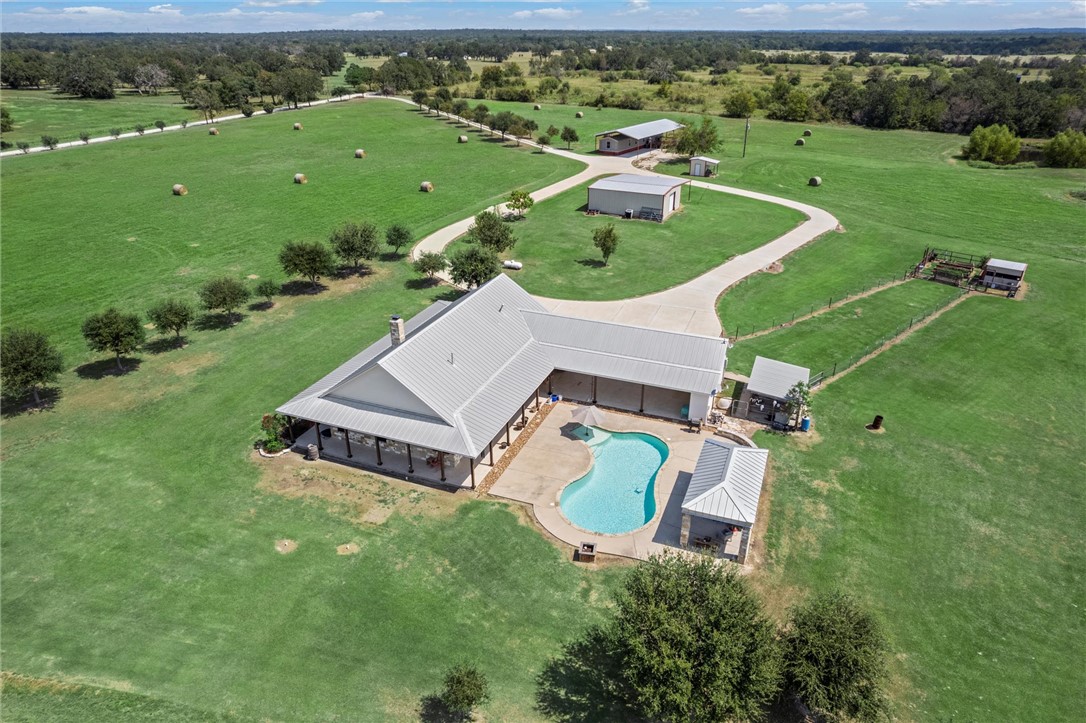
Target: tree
(29, 361)
(87, 77)
(268, 288)
(203, 97)
(397, 236)
(299, 85)
(139, 128)
(569, 135)
(1067, 150)
(543, 140)
(474, 266)
(695, 140)
(224, 293)
(115, 332)
(797, 401)
(459, 107)
(692, 642)
(490, 232)
(740, 103)
(479, 114)
(552, 131)
(161, 125)
(503, 122)
(50, 142)
(465, 687)
(171, 315)
(995, 144)
(835, 658)
(605, 238)
(420, 98)
(84, 136)
(340, 90)
(116, 132)
(150, 78)
(519, 201)
(353, 242)
(23, 146)
(6, 124)
(311, 260)
(431, 263)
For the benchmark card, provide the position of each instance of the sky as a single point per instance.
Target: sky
(273, 15)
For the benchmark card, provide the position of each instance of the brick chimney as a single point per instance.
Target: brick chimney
(396, 330)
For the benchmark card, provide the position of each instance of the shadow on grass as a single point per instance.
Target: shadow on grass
(261, 305)
(433, 710)
(591, 263)
(14, 406)
(581, 684)
(163, 344)
(448, 293)
(301, 287)
(217, 322)
(391, 256)
(107, 368)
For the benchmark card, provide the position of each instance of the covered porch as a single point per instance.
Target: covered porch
(628, 396)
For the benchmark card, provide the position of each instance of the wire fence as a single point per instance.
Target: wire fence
(840, 366)
(754, 329)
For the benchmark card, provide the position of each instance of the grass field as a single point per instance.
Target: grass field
(842, 333)
(554, 240)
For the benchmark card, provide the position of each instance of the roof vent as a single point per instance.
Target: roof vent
(396, 330)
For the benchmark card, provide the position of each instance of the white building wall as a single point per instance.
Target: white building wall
(699, 405)
(616, 202)
(616, 145)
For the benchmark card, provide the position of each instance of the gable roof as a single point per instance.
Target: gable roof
(641, 131)
(1001, 265)
(727, 483)
(774, 378)
(636, 183)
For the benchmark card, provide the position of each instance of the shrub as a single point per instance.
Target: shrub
(465, 687)
(247, 110)
(994, 143)
(115, 132)
(185, 123)
(23, 146)
(84, 136)
(1067, 150)
(161, 125)
(49, 142)
(140, 128)
(269, 108)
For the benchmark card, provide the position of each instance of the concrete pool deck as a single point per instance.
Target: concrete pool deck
(554, 457)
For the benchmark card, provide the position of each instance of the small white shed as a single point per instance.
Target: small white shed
(769, 383)
(1004, 275)
(703, 166)
(631, 195)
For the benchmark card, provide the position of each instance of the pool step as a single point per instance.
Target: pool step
(598, 436)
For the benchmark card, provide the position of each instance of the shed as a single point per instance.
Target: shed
(725, 489)
(703, 166)
(633, 138)
(769, 383)
(1005, 275)
(648, 197)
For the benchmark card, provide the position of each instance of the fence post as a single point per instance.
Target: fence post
(831, 302)
(834, 369)
(911, 322)
(793, 317)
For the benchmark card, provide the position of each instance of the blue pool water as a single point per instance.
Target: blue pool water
(617, 494)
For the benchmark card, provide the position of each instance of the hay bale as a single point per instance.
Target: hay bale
(462, 139)
(300, 178)
(800, 142)
(359, 153)
(537, 106)
(297, 126)
(213, 131)
(426, 187)
(815, 181)
(579, 115)
(807, 133)
(179, 190)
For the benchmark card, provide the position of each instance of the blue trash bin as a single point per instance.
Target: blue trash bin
(805, 424)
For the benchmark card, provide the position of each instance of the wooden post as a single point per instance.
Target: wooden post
(441, 461)
(642, 408)
(491, 445)
(594, 390)
(550, 384)
(410, 463)
(320, 447)
(290, 429)
(472, 474)
(523, 418)
(347, 439)
(377, 444)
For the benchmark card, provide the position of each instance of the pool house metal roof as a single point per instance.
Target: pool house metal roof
(727, 483)
(772, 378)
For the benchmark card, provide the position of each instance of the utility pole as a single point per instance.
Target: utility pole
(745, 134)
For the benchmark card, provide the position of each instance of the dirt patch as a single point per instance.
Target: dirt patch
(825, 487)
(774, 268)
(191, 364)
(806, 440)
(816, 510)
(349, 548)
(285, 547)
(184, 271)
(253, 276)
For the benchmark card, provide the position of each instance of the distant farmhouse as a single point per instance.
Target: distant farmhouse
(631, 195)
(634, 138)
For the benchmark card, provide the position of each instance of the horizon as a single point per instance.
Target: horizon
(736, 16)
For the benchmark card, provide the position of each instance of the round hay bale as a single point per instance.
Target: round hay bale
(426, 187)
(359, 153)
(807, 133)
(300, 178)
(800, 142)
(815, 181)
(537, 106)
(462, 139)
(297, 126)
(579, 115)
(213, 131)
(179, 190)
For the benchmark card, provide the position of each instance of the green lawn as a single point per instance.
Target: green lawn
(846, 332)
(554, 240)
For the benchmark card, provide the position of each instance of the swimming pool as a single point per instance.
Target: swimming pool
(617, 494)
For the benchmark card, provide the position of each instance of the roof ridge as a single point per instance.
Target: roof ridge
(619, 323)
(620, 356)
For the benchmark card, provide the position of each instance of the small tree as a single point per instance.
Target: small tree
(569, 135)
(835, 658)
(465, 688)
(224, 293)
(247, 109)
(139, 128)
(1067, 150)
(520, 201)
(490, 232)
(84, 136)
(431, 263)
(605, 238)
(114, 332)
(543, 141)
(398, 236)
(474, 266)
(268, 288)
(184, 123)
(171, 315)
(311, 260)
(797, 401)
(115, 132)
(995, 144)
(268, 108)
(50, 142)
(552, 131)
(161, 125)
(740, 103)
(420, 98)
(23, 146)
(354, 242)
(340, 90)
(29, 362)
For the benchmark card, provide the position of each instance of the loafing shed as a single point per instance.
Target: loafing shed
(1004, 275)
(628, 194)
(769, 383)
(634, 138)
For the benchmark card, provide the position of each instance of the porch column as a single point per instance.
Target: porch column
(441, 461)
(410, 462)
(347, 439)
(377, 444)
(523, 418)
(473, 474)
(642, 407)
(320, 447)
(593, 390)
(684, 536)
(290, 429)
(743, 544)
(491, 445)
(550, 384)
(507, 442)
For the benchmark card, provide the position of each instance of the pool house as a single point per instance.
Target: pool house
(440, 398)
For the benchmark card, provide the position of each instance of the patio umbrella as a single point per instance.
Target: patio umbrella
(590, 416)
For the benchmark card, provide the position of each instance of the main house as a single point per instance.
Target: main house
(634, 138)
(451, 380)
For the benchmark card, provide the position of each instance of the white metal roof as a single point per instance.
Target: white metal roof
(773, 378)
(641, 131)
(464, 369)
(706, 159)
(727, 483)
(1001, 265)
(635, 183)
